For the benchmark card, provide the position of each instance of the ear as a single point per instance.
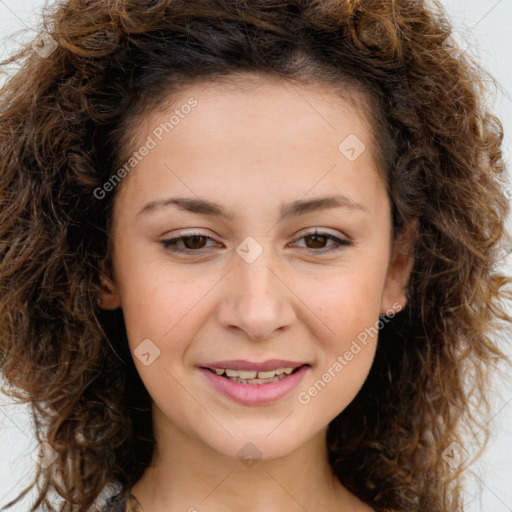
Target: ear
(399, 270)
(108, 296)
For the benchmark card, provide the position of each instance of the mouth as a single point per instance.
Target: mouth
(255, 378)
(255, 387)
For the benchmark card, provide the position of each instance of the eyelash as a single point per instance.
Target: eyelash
(170, 244)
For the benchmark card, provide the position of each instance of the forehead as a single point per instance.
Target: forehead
(275, 105)
(251, 137)
(246, 101)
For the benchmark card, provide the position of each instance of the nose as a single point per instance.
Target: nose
(256, 298)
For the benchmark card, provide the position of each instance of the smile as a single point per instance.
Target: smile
(252, 387)
(254, 377)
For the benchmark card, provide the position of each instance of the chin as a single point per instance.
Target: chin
(258, 441)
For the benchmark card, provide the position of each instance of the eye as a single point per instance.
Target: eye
(196, 242)
(193, 242)
(316, 241)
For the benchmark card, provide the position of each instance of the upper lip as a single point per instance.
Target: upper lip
(242, 364)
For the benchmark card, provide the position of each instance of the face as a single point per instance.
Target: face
(285, 254)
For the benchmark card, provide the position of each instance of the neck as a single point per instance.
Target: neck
(188, 475)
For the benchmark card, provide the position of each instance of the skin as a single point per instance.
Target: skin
(251, 149)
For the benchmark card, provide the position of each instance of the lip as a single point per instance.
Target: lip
(255, 394)
(251, 366)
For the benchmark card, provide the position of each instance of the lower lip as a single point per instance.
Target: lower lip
(254, 394)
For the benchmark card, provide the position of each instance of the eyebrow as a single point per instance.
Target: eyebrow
(295, 208)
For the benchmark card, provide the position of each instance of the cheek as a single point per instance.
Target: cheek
(154, 295)
(349, 313)
(348, 303)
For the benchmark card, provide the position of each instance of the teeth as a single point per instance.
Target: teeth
(245, 375)
(242, 374)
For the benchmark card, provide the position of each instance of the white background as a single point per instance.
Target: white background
(485, 26)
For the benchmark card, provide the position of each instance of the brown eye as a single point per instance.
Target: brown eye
(317, 241)
(190, 243)
(194, 242)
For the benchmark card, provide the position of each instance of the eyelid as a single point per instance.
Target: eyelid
(187, 233)
(320, 231)
(340, 240)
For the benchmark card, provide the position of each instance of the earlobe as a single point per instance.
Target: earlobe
(108, 296)
(400, 269)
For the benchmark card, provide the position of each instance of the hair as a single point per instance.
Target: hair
(66, 118)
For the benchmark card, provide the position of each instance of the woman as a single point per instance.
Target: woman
(249, 255)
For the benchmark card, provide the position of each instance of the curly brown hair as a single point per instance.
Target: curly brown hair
(64, 124)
